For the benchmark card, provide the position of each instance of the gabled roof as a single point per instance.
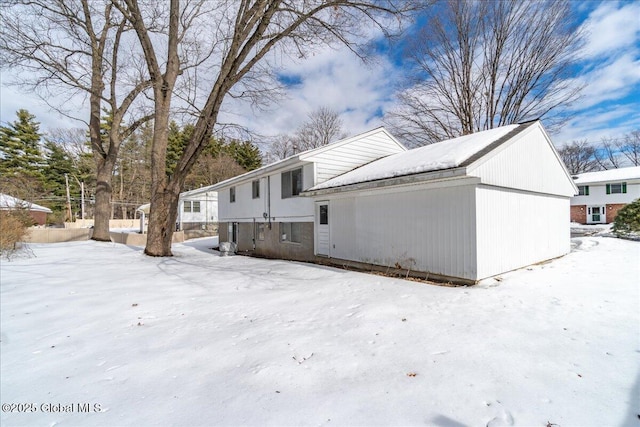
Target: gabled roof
(10, 202)
(298, 158)
(610, 175)
(446, 155)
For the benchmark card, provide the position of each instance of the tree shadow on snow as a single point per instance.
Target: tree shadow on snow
(443, 421)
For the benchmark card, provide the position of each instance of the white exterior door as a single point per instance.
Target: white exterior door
(596, 215)
(323, 236)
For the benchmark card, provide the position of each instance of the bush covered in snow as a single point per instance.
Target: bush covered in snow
(627, 221)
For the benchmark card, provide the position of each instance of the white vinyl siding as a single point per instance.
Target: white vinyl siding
(598, 194)
(422, 229)
(201, 208)
(516, 229)
(528, 162)
(344, 158)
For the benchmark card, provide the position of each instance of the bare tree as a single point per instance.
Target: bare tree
(243, 36)
(578, 157)
(322, 127)
(484, 64)
(281, 147)
(630, 147)
(70, 47)
(607, 154)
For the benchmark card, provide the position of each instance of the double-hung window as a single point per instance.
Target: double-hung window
(291, 184)
(232, 195)
(583, 190)
(255, 189)
(191, 206)
(617, 188)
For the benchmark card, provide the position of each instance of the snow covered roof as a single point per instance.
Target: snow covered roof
(620, 174)
(144, 208)
(448, 154)
(10, 202)
(299, 157)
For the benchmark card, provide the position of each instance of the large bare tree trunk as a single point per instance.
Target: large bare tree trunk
(102, 211)
(243, 34)
(162, 220)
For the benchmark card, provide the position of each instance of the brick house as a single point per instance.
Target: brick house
(602, 194)
(38, 213)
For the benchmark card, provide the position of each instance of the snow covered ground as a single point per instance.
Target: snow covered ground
(199, 339)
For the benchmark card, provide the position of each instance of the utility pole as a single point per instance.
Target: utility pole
(82, 199)
(81, 184)
(66, 179)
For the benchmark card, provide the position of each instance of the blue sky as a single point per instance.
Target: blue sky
(609, 69)
(335, 78)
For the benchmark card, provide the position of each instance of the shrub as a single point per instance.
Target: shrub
(628, 219)
(13, 230)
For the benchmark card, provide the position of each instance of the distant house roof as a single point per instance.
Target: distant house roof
(10, 202)
(449, 154)
(299, 157)
(620, 174)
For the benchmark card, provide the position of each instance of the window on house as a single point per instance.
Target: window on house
(324, 214)
(255, 189)
(291, 183)
(583, 190)
(291, 232)
(189, 206)
(232, 195)
(260, 230)
(618, 188)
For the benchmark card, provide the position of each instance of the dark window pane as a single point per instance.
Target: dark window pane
(324, 214)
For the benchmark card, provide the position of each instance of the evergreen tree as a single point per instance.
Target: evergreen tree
(245, 154)
(20, 151)
(177, 141)
(57, 165)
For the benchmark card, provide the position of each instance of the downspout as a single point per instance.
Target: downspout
(269, 199)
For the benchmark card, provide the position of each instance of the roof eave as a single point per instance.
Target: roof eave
(390, 182)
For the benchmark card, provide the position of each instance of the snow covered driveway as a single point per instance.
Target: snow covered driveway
(97, 334)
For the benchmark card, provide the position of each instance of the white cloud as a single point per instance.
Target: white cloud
(610, 81)
(610, 103)
(613, 121)
(13, 99)
(337, 79)
(612, 26)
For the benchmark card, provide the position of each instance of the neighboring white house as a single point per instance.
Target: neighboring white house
(602, 194)
(460, 210)
(197, 210)
(262, 210)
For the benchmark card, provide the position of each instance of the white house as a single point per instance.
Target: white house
(262, 210)
(197, 210)
(602, 194)
(459, 210)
